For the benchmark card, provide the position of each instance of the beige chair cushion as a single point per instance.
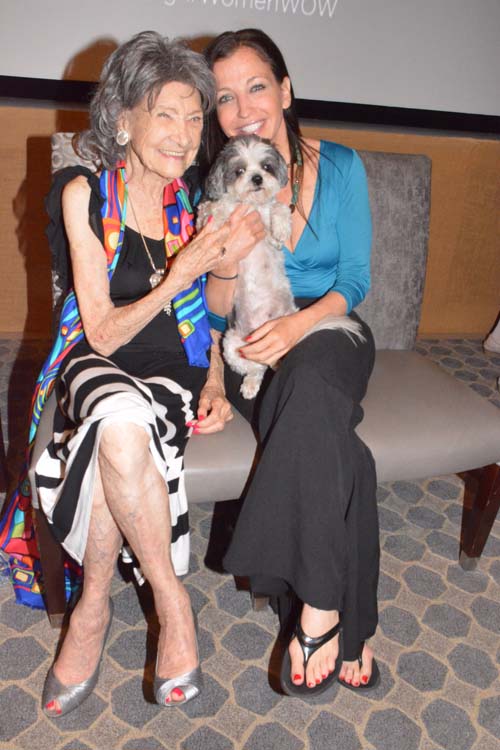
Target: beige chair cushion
(421, 422)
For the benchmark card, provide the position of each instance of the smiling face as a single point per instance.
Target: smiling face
(164, 140)
(249, 98)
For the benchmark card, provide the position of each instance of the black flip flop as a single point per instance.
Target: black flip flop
(309, 647)
(374, 677)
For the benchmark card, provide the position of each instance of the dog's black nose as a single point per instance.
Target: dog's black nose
(257, 180)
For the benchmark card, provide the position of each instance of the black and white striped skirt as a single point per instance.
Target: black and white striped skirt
(93, 392)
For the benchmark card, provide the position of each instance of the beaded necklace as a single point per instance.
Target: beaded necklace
(296, 178)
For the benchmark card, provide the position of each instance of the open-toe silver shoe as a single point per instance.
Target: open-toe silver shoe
(190, 682)
(70, 697)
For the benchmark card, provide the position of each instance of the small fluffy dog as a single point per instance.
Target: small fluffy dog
(250, 170)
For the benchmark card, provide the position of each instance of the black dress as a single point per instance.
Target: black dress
(148, 381)
(309, 519)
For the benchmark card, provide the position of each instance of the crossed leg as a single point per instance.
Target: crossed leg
(130, 499)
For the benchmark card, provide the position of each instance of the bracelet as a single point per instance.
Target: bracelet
(223, 278)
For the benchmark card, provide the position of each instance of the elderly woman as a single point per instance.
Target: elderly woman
(133, 380)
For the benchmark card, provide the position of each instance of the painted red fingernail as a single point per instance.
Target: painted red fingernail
(196, 431)
(190, 424)
(365, 678)
(241, 354)
(247, 338)
(200, 419)
(297, 678)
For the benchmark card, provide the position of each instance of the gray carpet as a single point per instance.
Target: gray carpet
(438, 642)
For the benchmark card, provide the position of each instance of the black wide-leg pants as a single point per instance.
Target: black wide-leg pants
(309, 518)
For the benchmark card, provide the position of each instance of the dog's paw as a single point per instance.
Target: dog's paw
(219, 211)
(204, 213)
(281, 223)
(250, 385)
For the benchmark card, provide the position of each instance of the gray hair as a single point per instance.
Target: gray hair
(139, 69)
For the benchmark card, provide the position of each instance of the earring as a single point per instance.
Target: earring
(122, 137)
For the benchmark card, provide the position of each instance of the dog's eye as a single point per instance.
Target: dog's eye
(268, 168)
(239, 171)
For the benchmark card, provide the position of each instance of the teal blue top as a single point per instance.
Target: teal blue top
(333, 251)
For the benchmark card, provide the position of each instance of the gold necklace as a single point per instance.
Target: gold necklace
(158, 273)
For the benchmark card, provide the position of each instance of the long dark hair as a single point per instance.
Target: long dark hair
(224, 46)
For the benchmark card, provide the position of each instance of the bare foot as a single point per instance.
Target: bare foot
(82, 645)
(315, 622)
(177, 647)
(352, 674)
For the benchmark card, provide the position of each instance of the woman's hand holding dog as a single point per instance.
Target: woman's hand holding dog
(202, 254)
(271, 341)
(219, 249)
(246, 229)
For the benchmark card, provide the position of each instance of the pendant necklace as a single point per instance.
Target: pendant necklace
(295, 178)
(158, 273)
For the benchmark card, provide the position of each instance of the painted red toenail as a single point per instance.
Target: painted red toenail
(365, 678)
(50, 705)
(297, 677)
(58, 711)
(317, 682)
(355, 684)
(178, 693)
(310, 684)
(324, 676)
(168, 699)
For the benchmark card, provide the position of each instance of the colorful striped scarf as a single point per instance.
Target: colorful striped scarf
(17, 531)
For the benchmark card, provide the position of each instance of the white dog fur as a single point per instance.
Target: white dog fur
(250, 170)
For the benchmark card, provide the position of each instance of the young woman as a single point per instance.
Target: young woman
(309, 521)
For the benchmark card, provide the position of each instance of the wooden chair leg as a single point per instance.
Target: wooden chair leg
(52, 561)
(259, 602)
(481, 504)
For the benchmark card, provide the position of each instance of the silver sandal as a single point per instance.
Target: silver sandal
(190, 682)
(70, 697)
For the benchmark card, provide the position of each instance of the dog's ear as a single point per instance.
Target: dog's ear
(214, 187)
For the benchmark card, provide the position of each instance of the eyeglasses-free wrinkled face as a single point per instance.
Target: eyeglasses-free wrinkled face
(165, 139)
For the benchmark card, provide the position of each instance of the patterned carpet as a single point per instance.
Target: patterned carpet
(438, 642)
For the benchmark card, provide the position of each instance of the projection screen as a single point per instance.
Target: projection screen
(439, 55)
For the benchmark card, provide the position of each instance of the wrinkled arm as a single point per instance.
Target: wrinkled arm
(108, 327)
